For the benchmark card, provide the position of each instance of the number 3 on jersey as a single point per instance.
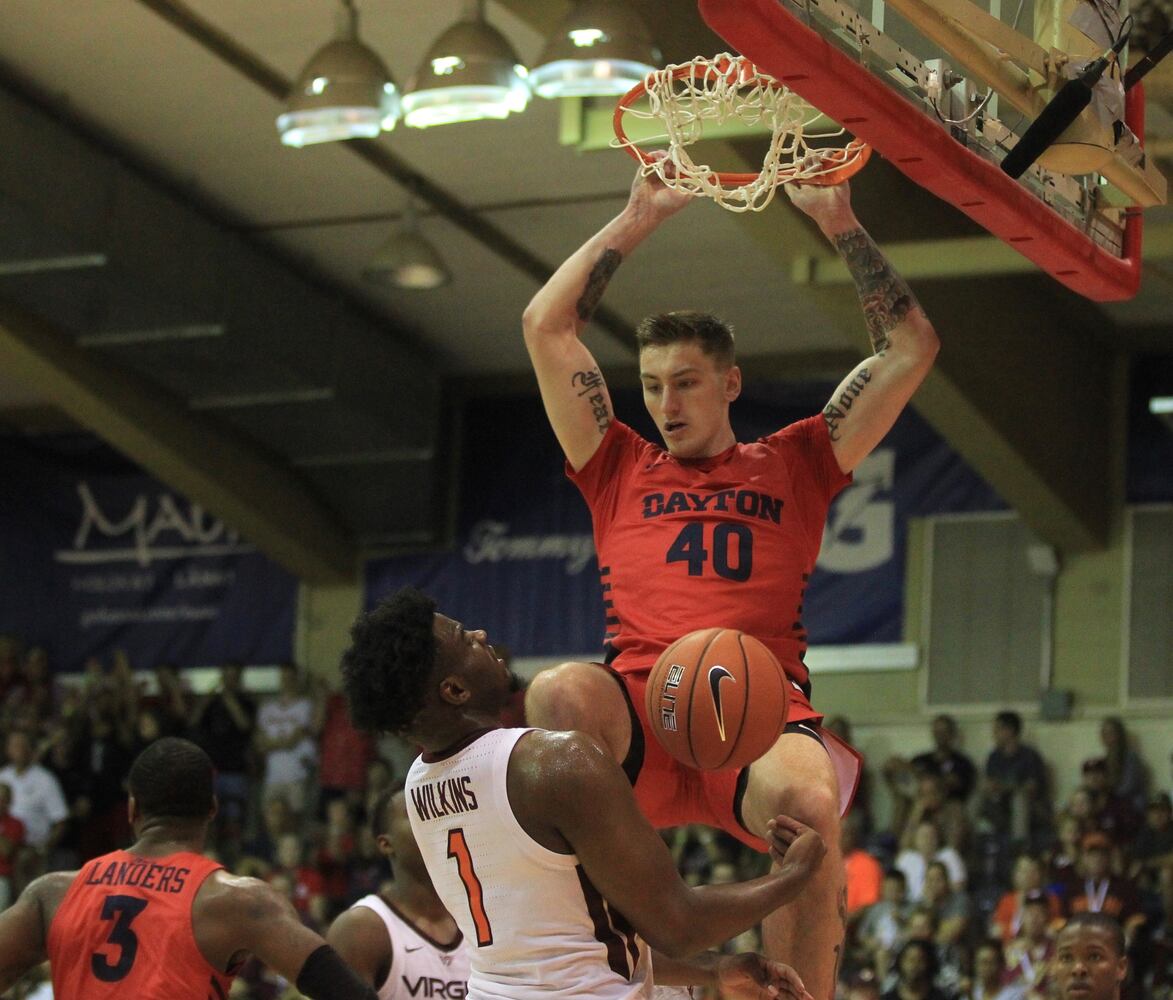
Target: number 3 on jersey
(122, 910)
(458, 849)
(731, 550)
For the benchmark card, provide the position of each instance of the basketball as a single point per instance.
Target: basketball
(717, 699)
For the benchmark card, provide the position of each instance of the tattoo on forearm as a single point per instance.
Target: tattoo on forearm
(590, 384)
(835, 412)
(885, 296)
(597, 282)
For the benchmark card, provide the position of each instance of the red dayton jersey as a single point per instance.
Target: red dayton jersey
(730, 540)
(124, 929)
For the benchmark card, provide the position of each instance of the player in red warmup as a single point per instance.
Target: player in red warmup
(159, 921)
(706, 531)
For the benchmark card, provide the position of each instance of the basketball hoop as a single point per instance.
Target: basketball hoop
(730, 89)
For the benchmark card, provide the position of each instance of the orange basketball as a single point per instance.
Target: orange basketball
(717, 699)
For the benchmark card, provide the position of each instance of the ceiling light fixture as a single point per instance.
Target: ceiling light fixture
(407, 260)
(602, 48)
(470, 73)
(344, 92)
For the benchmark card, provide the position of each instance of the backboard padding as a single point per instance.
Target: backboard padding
(804, 60)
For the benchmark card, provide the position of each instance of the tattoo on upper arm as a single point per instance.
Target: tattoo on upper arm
(885, 296)
(835, 412)
(597, 282)
(590, 384)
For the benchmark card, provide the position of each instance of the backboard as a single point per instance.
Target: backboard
(944, 89)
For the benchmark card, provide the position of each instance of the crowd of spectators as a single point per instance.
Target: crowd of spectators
(958, 896)
(294, 779)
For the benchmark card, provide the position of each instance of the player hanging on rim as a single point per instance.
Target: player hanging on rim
(706, 531)
(159, 921)
(533, 839)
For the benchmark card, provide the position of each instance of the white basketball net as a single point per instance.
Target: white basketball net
(720, 90)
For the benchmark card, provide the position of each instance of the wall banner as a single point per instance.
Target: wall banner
(97, 556)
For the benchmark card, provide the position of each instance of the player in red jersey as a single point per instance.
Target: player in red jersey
(160, 921)
(705, 531)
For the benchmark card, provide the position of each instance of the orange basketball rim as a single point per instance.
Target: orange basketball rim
(823, 166)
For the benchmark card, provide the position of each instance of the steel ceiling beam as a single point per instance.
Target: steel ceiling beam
(199, 457)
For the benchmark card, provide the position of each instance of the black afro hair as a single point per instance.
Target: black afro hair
(386, 669)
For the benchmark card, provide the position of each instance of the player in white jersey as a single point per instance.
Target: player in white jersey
(402, 941)
(534, 841)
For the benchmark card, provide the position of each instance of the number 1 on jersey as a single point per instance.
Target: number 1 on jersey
(458, 849)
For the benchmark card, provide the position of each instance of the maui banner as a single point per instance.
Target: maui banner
(98, 556)
(523, 565)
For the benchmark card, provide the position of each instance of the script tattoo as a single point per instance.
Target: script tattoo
(835, 412)
(885, 296)
(597, 281)
(590, 384)
(842, 905)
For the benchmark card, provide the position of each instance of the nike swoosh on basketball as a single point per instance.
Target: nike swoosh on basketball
(716, 675)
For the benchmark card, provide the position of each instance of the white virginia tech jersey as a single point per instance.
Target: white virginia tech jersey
(536, 927)
(421, 969)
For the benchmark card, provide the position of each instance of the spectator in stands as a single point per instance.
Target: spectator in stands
(306, 888)
(1126, 771)
(927, 848)
(952, 958)
(171, 702)
(1099, 891)
(344, 754)
(222, 722)
(864, 874)
(990, 975)
(30, 700)
(1015, 796)
(929, 802)
(1111, 813)
(260, 851)
(916, 969)
(950, 908)
(1026, 881)
(1153, 848)
(37, 802)
(1157, 974)
(944, 760)
(1028, 954)
(336, 855)
(59, 752)
(11, 841)
(104, 745)
(882, 925)
(287, 727)
(1064, 855)
(1090, 962)
(9, 665)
